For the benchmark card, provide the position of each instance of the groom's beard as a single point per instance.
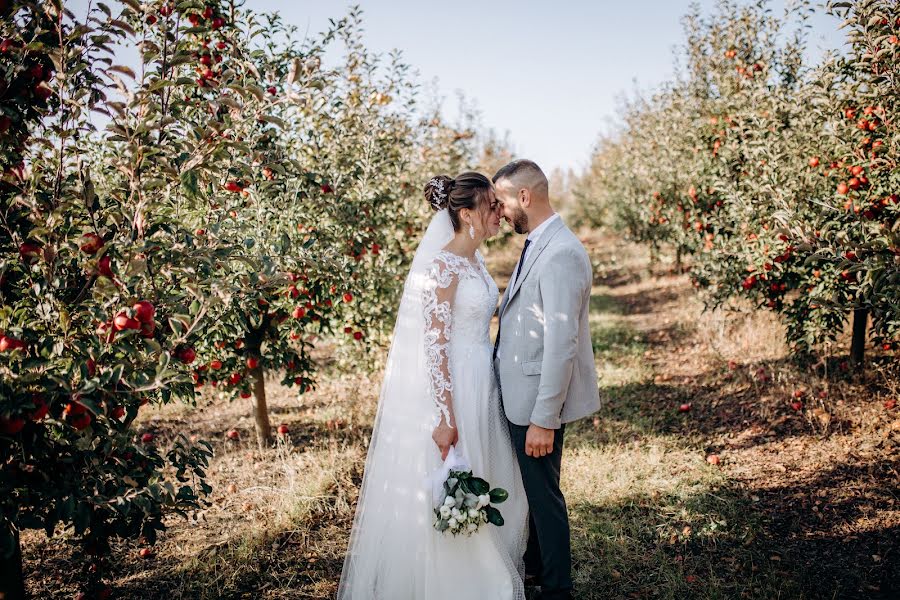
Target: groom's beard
(520, 222)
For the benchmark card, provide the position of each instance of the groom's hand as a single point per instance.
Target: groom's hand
(538, 441)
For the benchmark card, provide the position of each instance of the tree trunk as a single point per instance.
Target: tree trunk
(679, 267)
(260, 408)
(858, 343)
(12, 580)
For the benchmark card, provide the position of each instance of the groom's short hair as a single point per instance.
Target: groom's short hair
(526, 173)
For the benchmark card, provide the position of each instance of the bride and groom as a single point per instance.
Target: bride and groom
(503, 406)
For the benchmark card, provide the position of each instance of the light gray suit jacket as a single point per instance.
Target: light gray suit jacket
(545, 364)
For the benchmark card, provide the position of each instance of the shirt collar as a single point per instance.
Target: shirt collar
(534, 235)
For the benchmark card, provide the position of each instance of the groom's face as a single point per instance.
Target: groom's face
(511, 206)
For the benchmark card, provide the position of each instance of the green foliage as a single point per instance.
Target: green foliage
(242, 205)
(778, 179)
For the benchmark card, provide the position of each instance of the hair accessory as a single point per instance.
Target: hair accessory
(437, 185)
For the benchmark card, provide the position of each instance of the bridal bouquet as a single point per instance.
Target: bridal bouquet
(464, 501)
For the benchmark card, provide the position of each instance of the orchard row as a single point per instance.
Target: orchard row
(777, 178)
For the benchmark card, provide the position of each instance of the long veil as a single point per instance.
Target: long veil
(381, 554)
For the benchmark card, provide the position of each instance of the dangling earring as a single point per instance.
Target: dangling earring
(472, 231)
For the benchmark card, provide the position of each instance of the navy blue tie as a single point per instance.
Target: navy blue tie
(521, 259)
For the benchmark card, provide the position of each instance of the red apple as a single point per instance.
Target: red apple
(41, 408)
(104, 267)
(233, 186)
(90, 243)
(282, 429)
(10, 343)
(147, 438)
(299, 312)
(145, 553)
(814, 162)
(215, 365)
(186, 355)
(148, 329)
(348, 297)
(11, 425)
(29, 253)
(42, 91)
(80, 422)
(797, 405)
(684, 407)
(144, 311)
(245, 395)
(218, 23)
(358, 336)
(252, 362)
(123, 322)
(233, 435)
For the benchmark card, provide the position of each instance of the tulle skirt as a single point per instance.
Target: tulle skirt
(395, 553)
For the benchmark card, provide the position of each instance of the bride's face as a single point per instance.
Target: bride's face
(492, 219)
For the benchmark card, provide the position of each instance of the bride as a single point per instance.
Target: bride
(439, 391)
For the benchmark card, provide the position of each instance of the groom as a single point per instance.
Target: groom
(544, 360)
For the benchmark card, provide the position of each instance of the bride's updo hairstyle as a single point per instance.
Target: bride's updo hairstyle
(468, 190)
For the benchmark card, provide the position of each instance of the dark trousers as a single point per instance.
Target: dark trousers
(548, 555)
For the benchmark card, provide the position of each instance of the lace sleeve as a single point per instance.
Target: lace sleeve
(440, 289)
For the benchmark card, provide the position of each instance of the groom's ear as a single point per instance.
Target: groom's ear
(525, 197)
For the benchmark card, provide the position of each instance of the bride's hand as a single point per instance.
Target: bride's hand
(445, 436)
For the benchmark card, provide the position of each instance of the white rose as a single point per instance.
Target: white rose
(484, 500)
(445, 512)
(472, 527)
(473, 514)
(455, 512)
(453, 523)
(449, 501)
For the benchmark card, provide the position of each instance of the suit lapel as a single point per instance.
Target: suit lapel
(530, 257)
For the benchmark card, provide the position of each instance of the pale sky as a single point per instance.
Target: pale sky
(548, 73)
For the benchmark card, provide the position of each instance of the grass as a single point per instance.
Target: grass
(795, 508)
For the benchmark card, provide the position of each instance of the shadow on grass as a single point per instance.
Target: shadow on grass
(721, 544)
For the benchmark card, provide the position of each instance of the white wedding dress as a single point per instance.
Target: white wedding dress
(441, 353)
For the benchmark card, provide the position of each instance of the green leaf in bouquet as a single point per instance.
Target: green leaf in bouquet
(479, 486)
(494, 516)
(498, 495)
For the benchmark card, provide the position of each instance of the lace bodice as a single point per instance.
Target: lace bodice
(459, 299)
